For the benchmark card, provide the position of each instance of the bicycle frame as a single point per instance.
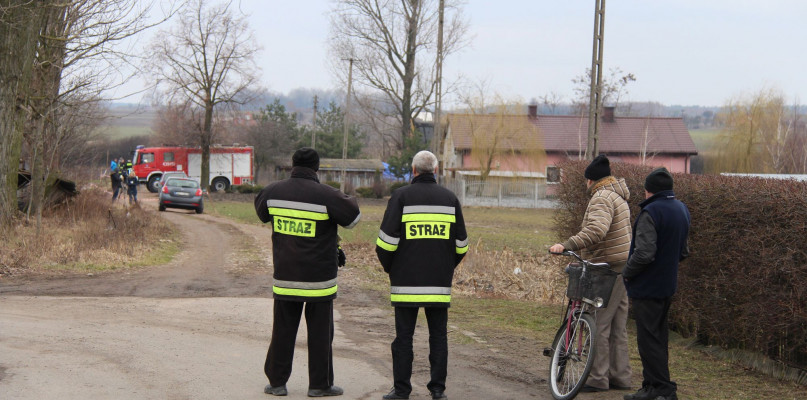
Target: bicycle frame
(573, 349)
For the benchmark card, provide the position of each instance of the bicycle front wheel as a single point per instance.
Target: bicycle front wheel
(572, 359)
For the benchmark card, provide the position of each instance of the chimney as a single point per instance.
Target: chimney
(532, 110)
(608, 113)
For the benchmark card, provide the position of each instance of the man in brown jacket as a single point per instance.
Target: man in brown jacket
(605, 237)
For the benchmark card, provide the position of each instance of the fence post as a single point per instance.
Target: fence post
(500, 194)
(536, 193)
(462, 191)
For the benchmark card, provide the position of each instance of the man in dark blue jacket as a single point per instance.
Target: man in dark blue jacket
(421, 241)
(651, 277)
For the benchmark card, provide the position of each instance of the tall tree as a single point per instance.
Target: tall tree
(274, 136)
(501, 133)
(20, 21)
(207, 59)
(394, 42)
(330, 134)
(76, 59)
(762, 134)
(68, 55)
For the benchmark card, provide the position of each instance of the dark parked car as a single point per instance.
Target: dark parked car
(181, 193)
(171, 174)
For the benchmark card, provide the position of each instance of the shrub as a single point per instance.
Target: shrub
(247, 188)
(333, 184)
(397, 185)
(744, 285)
(365, 192)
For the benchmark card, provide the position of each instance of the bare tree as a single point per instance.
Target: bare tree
(20, 21)
(552, 100)
(78, 57)
(395, 42)
(500, 130)
(614, 89)
(759, 135)
(75, 60)
(208, 60)
(177, 124)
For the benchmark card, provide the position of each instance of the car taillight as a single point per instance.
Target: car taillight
(165, 189)
(198, 192)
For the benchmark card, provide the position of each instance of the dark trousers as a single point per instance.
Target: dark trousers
(652, 336)
(319, 319)
(402, 354)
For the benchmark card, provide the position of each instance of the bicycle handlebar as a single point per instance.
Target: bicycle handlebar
(567, 253)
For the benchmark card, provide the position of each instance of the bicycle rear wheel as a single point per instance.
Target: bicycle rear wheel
(572, 360)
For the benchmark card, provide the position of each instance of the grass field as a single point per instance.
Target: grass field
(114, 132)
(497, 321)
(707, 141)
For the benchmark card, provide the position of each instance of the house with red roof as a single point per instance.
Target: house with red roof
(532, 145)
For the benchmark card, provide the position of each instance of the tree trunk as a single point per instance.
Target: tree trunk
(19, 29)
(409, 72)
(207, 135)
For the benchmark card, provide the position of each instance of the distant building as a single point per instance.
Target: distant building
(654, 141)
(360, 172)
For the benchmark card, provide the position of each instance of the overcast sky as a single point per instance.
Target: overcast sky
(687, 52)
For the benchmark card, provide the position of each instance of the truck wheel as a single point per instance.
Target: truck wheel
(154, 184)
(219, 185)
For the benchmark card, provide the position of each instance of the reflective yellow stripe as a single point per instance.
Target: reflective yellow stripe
(298, 214)
(420, 298)
(428, 230)
(428, 217)
(295, 227)
(304, 292)
(462, 250)
(386, 246)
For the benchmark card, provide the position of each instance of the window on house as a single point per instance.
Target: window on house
(552, 174)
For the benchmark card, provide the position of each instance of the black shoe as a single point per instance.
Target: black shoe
(668, 397)
(591, 389)
(617, 387)
(331, 391)
(645, 393)
(276, 390)
(394, 395)
(438, 394)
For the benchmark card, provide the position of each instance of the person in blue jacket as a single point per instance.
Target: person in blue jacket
(659, 243)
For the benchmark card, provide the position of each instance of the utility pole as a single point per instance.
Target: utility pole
(438, 94)
(344, 124)
(314, 126)
(595, 99)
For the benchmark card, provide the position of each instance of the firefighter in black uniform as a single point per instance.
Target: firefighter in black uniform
(422, 239)
(304, 215)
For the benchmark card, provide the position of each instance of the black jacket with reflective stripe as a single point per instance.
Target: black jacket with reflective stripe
(422, 239)
(304, 215)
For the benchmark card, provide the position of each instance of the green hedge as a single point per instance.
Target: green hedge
(745, 283)
(246, 188)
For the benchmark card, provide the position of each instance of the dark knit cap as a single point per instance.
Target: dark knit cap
(306, 157)
(658, 181)
(599, 168)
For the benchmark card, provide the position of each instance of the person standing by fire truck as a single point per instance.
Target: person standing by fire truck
(304, 215)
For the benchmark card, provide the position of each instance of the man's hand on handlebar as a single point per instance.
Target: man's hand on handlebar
(556, 248)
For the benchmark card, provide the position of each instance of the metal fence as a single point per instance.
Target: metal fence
(524, 193)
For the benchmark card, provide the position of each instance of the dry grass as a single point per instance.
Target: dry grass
(508, 274)
(86, 233)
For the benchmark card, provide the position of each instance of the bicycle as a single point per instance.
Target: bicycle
(574, 346)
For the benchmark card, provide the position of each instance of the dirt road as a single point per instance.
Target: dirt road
(198, 328)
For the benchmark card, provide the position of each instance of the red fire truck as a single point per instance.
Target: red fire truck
(229, 165)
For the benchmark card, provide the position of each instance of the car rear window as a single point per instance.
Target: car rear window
(183, 183)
